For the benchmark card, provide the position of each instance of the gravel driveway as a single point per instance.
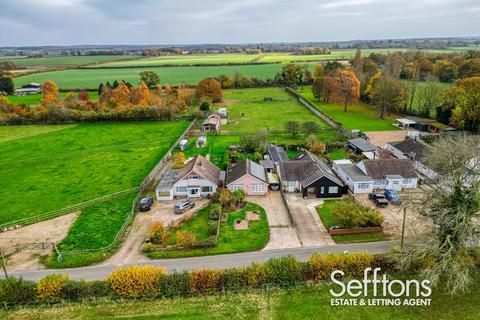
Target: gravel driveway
(282, 234)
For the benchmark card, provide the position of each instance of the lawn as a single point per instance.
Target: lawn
(415, 106)
(95, 227)
(304, 302)
(328, 219)
(184, 60)
(64, 61)
(217, 147)
(362, 117)
(90, 78)
(229, 240)
(47, 171)
(337, 154)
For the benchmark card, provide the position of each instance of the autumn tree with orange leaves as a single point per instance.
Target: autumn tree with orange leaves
(209, 88)
(347, 88)
(121, 95)
(49, 92)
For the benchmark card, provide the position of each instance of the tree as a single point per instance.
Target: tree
(393, 65)
(318, 72)
(140, 96)
(121, 95)
(412, 83)
(332, 67)
(348, 88)
(470, 68)
(466, 112)
(239, 196)
(291, 75)
(150, 78)
(158, 233)
(451, 203)
(445, 71)
(388, 94)
(310, 127)
(204, 105)
(314, 145)
(178, 160)
(6, 85)
(428, 96)
(49, 92)
(186, 239)
(83, 95)
(324, 88)
(209, 88)
(225, 81)
(226, 198)
(293, 127)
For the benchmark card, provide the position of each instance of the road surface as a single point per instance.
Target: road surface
(213, 262)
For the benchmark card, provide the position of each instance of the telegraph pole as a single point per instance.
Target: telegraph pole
(3, 263)
(403, 228)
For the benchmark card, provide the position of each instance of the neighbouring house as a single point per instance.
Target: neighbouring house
(362, 146)
(248, 176)
(276, 153)
(268, 165)
(405, 123)
(309, 174)
(212, 123)
(30, 88)
(416, 151)
(390, 173)
(198, 178)
(356, 180)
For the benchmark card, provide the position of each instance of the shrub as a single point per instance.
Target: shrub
(158, 233)
(185, 239)
(206, 280)
(178, 160)
(256, 275)
(97, 289)
(73, 290)
(215, 212)
(16, 291)
(286, 270)
(147, 247)
(49, 288)
(236, 278)
(135, 281)
(320, 266)
(352, 215)
(175, 284)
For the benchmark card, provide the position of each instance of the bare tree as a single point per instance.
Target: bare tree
(412, 83)
(451, 202)
(428, 96)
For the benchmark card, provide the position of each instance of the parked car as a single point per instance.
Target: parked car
(378, 199)
(146, 204)
(182, 206)
(392, 195)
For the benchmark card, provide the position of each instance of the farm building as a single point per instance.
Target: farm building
(201, 141)
(199, 178)
(183, 144)
(31, 88)
(248, 176)
(310, 175)
(212, 123)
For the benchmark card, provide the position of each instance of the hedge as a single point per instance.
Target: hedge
(135, 282)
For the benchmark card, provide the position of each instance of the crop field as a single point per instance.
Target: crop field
(184, 59)
(90, 78)
(66, 60)
(66, 165)
(362, 117)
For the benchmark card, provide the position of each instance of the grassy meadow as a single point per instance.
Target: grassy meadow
(90, 78)
(361, 116)
(30, 99)
(46, 168)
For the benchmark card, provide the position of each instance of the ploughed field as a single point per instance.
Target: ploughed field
(45, 168)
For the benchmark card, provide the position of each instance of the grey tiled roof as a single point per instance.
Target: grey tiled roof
(354, 173)
(277, 153)
(246, 167)
(412, 148)
(362, 145)
(168, 179)
(380, 168)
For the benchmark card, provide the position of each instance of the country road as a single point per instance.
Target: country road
(213, 262)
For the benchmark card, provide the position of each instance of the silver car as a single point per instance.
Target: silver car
(182, 206)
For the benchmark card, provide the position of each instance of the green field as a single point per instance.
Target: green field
(229, 240)
(184, 59)
(30, 99)
(329, 220)
(66, 60)
(304, 302)
(362, 117)
(90, 78)
(52, 170)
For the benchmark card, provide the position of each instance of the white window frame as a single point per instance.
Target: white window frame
(258, 188)
(334, 188)
(236, 187)
(181, 189)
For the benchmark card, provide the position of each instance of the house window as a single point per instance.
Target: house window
(291, 184)
(396, 182)
(363, 186)
(332, 190)
(407, 181)
(238, 187)
(193, 177)
(181, 189)
(258, 188)
(207, 189)
(322, 190)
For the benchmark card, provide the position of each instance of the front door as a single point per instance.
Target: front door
(194, 192)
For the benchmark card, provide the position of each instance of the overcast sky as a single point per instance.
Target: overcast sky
(62, 22)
